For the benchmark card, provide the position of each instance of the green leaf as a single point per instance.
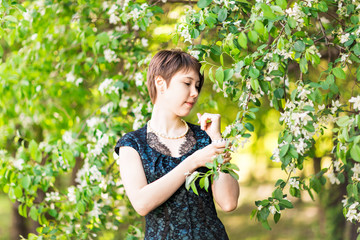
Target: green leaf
(25, 181)
(23, 210)
(292, 22)
(103, 38)
(80, 207)
(303, 65)
(242, 40)
(206, 183)
(268, 11)
(253, 213)
(286, 203)
(280, 183)
(343, 121)
(69, 157)
(210, 21)
(355, 153)
(11, 18)
(278, 194)
(277, 217)
(193, 187)
(219, 75)
(339, 73)
(253, 36)
(281, 3)
(249, 127)
(234, 175)
(228, 73)
(356, 48)
(190, 179)
(222, 15)
(308, 108)
(211, 75)
(323, 6)
(284, 149)
(203, 3)
(266, 225)
(53, 212)
(254, 72)
(18, 192)
(299, 46)
(33, 148)
(254, 84)
(34, 213)
(259, 27)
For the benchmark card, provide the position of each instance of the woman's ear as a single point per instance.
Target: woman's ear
(160, 84)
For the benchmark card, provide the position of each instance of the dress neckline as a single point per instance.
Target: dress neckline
(190, 128)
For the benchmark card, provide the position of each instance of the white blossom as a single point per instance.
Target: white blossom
(297, 14)
(195, 54)
(139, 79)
(183, 29)
(52, 196)
(107, 86)
(108, 108)
(70, 77)
(344, 37)
(94, 174)
(18, 163)
(67, 137)
(95, 212)
(356, 102)
(291, 168)
(333, 179)
(352, 213)
(356, 168)
(71, 194)
(294, 183)
(273, 210)
(27, 16)
(110, 56)
(92, 122)
(113, 19)
(145, 42)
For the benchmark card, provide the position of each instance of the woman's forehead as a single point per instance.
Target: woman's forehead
(190, 74)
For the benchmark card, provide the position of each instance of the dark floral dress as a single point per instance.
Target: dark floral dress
(184, 215)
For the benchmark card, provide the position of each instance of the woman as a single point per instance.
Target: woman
(155, 159)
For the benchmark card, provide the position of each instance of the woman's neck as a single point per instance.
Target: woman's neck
(166, 122)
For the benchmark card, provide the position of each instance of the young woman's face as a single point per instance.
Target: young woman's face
(182, 93)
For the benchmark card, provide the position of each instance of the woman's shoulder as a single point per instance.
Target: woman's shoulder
(131, 139)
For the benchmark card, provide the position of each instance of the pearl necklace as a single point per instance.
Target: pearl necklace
(166, 136)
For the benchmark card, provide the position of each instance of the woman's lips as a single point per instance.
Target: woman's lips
(190, 104)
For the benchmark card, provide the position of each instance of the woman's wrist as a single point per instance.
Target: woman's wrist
(191, 164)
(216, 137)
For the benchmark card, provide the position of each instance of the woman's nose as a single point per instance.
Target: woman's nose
(194, 92)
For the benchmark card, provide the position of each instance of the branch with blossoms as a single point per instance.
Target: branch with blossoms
(261, 44)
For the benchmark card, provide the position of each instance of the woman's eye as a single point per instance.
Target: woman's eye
(187, 84)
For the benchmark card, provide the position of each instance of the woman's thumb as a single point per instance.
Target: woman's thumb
(199, 116)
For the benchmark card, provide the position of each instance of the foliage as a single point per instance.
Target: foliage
(71, 83)
(254, 47)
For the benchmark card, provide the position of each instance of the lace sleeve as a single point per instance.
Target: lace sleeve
(126, 140)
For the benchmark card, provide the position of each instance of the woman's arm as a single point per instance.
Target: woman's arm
(145, 197)
(226, 192)
(225, 189)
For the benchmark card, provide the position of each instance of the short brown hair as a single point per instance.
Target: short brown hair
(166, 63)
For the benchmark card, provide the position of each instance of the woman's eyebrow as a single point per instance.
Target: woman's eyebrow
(191, 78)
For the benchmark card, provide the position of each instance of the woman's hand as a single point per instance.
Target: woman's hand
(210, 123)
(208, 153)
